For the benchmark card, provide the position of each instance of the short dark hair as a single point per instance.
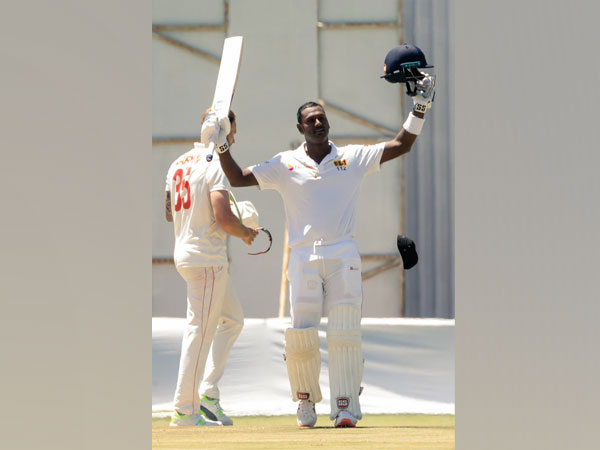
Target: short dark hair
(303, 107)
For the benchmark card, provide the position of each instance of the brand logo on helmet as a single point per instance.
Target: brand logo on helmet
(343, 402)
(408, 65)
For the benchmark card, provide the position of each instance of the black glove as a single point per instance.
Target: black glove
(408, 251)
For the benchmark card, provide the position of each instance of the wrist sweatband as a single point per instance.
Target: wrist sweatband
(413, 124)
(223, 148)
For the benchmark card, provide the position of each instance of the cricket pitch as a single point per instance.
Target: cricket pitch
(374, 432)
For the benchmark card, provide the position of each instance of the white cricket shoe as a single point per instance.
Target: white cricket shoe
(190, 420)
(307, 416)
(211, 409)
(345, 420)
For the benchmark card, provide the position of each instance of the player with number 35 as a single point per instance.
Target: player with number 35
(198, 202)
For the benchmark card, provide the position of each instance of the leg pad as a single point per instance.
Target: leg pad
(346, 362)
(303, 363)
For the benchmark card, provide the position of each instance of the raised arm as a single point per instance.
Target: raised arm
(222, 133)
(236, 176)
(423, 98)
(227, 220)
(402, 143)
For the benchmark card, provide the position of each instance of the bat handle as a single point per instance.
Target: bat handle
(211, 149)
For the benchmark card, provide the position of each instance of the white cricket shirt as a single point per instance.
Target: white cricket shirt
(319, 199)
(199, 241)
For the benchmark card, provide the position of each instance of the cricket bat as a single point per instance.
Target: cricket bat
(229, 70)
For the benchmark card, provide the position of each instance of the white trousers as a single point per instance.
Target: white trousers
(214, 321)
(322, 277)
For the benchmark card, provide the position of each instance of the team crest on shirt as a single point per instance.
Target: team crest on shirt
(340, 164)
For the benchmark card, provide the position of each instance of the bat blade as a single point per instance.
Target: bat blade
(229, 70)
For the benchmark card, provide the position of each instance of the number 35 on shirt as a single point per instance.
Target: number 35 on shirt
(181, 185)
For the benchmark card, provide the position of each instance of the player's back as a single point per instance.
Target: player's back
(199, 241)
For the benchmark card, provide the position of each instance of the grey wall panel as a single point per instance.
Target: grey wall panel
(357, 11)
(169, 296)
(188, 11)
(429, 187)
(182, 88)
(351, 63)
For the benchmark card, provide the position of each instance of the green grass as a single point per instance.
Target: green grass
(374, 432)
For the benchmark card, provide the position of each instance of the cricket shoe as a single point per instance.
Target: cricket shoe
(190, 420)
(307, 416)
(211, 409)
(345, 420)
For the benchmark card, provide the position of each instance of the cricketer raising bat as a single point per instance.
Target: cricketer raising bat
(227, 79)
(226, 82)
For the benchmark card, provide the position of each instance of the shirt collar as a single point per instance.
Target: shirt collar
(300, 154)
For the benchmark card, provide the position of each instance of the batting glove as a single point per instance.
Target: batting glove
(210, 128)
(423, 92)
(224, 130)
(215, 130)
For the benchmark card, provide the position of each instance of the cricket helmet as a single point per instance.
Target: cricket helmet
(408, 251)
(402, 64)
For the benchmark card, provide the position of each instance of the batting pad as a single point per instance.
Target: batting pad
(303, 363)
(345, 359)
